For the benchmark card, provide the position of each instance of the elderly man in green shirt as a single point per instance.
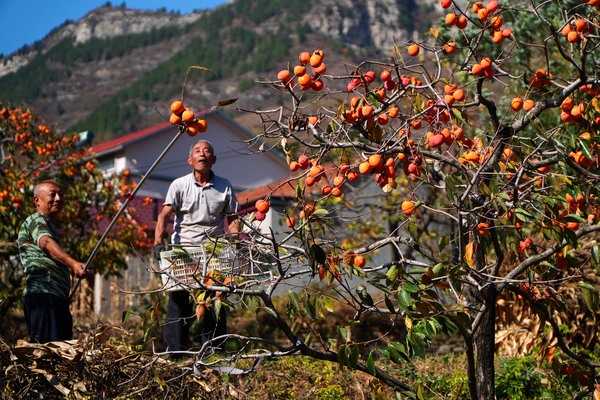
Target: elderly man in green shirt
(48, 268)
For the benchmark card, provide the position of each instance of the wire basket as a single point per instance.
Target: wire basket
(186, 267)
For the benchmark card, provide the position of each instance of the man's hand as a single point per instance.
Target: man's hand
(79, 269)
(157, 249)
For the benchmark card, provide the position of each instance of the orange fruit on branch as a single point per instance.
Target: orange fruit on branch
(450, 47)
(365, 168)
(202, 125)
(316, 58)
(413, 50)
(177, 107)
(359, 261)
(451, 19)
(375, 160)
(175, 119)
(299, 70)
(408, 207)
(187, 116)
(284, 76)
(304, 57)
(262, 206)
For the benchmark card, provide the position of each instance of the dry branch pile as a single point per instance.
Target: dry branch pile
(98, 366)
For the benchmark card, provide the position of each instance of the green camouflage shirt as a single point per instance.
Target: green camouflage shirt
(42, 274)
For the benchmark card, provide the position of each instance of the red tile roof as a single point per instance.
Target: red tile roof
(132, 137)
(283, 189)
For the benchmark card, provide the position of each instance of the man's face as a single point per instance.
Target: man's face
(202, 157)
(49, 199)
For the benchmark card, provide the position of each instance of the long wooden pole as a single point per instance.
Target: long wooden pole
(123, 207)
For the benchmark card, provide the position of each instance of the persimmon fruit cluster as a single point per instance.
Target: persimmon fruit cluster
(184, 116)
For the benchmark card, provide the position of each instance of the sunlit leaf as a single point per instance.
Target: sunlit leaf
(320, 212)
(392, 274)
(469, 250)
(270, 311)
(596, 257)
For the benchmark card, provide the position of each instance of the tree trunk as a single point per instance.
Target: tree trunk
(482, 299)
(485, 347)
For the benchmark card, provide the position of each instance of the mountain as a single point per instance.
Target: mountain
(116, 70)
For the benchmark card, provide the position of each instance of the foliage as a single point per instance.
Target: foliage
(33, 151)
(465, 169)
(522, 378)
(124, 354)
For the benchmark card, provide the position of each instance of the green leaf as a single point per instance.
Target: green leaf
(410, 287)
(253, 303)
(125, 316)
(420, 393)
(309, 308)
(443, 242)
(590, 294)
(438, 269)
(270, 311)
(298, 191)
(404, 300)
(412, 229)
(585, 149)
(596, 257)
(327, 303)
(217, 308)
(392, 274)
(394, 354)
(371, 364)
(390, 305)
(353, 355)
(320, 212)
(364, 295)
(373, 99)
(458, 115)
(342, 358)
(523, 215)
(309, 339)
(294, 302)
(571, 238)
(574, 218)
(318, 254)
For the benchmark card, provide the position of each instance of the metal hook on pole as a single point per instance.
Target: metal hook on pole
(123, 208)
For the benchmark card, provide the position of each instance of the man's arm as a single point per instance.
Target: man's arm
(57, 253)
(161, 224)
(233, 225)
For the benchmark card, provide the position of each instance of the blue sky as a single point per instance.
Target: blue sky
(25, 22)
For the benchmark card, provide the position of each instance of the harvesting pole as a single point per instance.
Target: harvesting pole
(130, 197)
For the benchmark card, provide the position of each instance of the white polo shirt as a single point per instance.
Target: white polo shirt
(200, 211)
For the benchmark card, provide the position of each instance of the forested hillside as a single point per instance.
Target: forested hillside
(121, 79)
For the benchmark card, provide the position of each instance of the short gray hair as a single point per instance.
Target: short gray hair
(212, 149)
(38, 185)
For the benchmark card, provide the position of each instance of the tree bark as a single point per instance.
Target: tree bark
(484, 340)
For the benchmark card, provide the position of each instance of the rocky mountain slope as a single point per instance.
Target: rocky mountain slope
(112, 70)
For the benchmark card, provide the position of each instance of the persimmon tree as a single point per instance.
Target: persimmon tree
(31, 150)
(463, 169)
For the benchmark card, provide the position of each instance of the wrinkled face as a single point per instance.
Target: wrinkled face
(202, 157)
(49, 199)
